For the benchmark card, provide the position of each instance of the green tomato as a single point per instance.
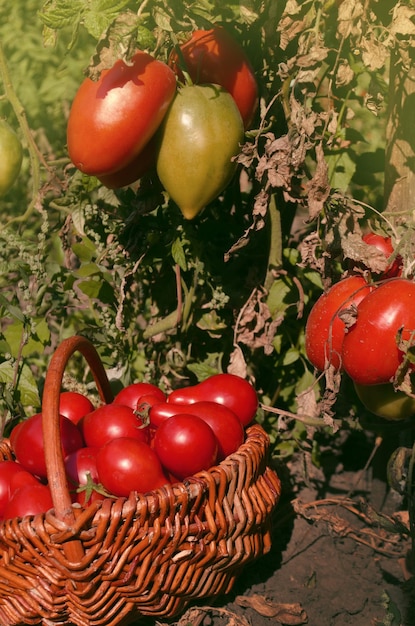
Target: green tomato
(200, 134)
(386, 402)
(11, 155)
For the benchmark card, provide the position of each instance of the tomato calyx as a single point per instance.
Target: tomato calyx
(90, 487)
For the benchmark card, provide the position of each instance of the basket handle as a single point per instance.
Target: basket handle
(51, 422)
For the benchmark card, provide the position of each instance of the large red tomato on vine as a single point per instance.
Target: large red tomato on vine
(112, 119)
(325, 329)
(214, 56)
(371, 354)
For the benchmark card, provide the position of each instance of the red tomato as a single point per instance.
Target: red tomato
(234, 392)
(226, 426)
(112, 119)
(29, 500)
(214, 56)
(140, 165)
(384, 244)
(80, 463)
(126, 465)
(370, 352)
(132, 394)
(10, 481)
(74, 405)
(325, 330)
(28, 443)
(185, 444)
(112, 421)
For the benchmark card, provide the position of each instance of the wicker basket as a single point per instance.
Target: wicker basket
(123, 558)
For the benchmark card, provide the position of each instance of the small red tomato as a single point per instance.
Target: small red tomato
(185, 445)
(80, 463)
(112, 421)
(384, 244)
(126, 465)
(28, 443)
(74, 405)
(29, 500)
(234, 392)
(325, 330)
(132, 394)
(9, 482)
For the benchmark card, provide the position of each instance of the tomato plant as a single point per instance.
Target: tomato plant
(214, 56)
(28, 445)
(11, 156)
(112, 421)
(370, 353)
(325, 329)
(126, 464)
(199, 136)
(232, 391)
(74, 405)
(111, 120)
(185, 445)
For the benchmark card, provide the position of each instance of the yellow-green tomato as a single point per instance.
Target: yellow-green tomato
(200, 134)
(386, 402)
(11, 155)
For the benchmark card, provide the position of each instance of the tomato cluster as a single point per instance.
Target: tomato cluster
(140, 116)
(141, 441)
(365, 329)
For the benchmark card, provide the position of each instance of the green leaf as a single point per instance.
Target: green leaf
(209, 367)
(36, 342)
(178, 254)
(27, 388)
(85, 250)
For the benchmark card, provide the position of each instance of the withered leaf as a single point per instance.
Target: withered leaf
(318, 188)
(349, 13)
(290, 614)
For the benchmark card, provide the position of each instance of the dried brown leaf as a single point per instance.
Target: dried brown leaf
(318, 188)
(237, 364)
(350, 12)
(291, 614)
(403, 20)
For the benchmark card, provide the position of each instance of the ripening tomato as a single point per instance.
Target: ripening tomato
(234, 392)
(132, 394)
(74, 405)
(199, 136)
(325, 330)
(112, 421)
(214, 56)
(29, 500)
(143, 163)
(11, 156)
(370, 352)
(126, 465)
(185, 445)
(385, 401)
(28, 443)
(384, 244)
(112, 119)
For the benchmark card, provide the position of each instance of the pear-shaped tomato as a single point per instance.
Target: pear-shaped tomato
(112, 119)
(214, 56)
(199, 136)
(384, 401)
(11, 155)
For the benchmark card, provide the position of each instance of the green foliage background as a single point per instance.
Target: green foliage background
(76, 257)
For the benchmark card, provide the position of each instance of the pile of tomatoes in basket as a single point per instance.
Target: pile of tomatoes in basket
(141, 441)
(366, 328)
(183, 119)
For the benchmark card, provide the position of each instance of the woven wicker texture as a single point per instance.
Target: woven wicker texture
(147, 554)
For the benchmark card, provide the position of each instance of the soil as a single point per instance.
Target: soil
(339, 553)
